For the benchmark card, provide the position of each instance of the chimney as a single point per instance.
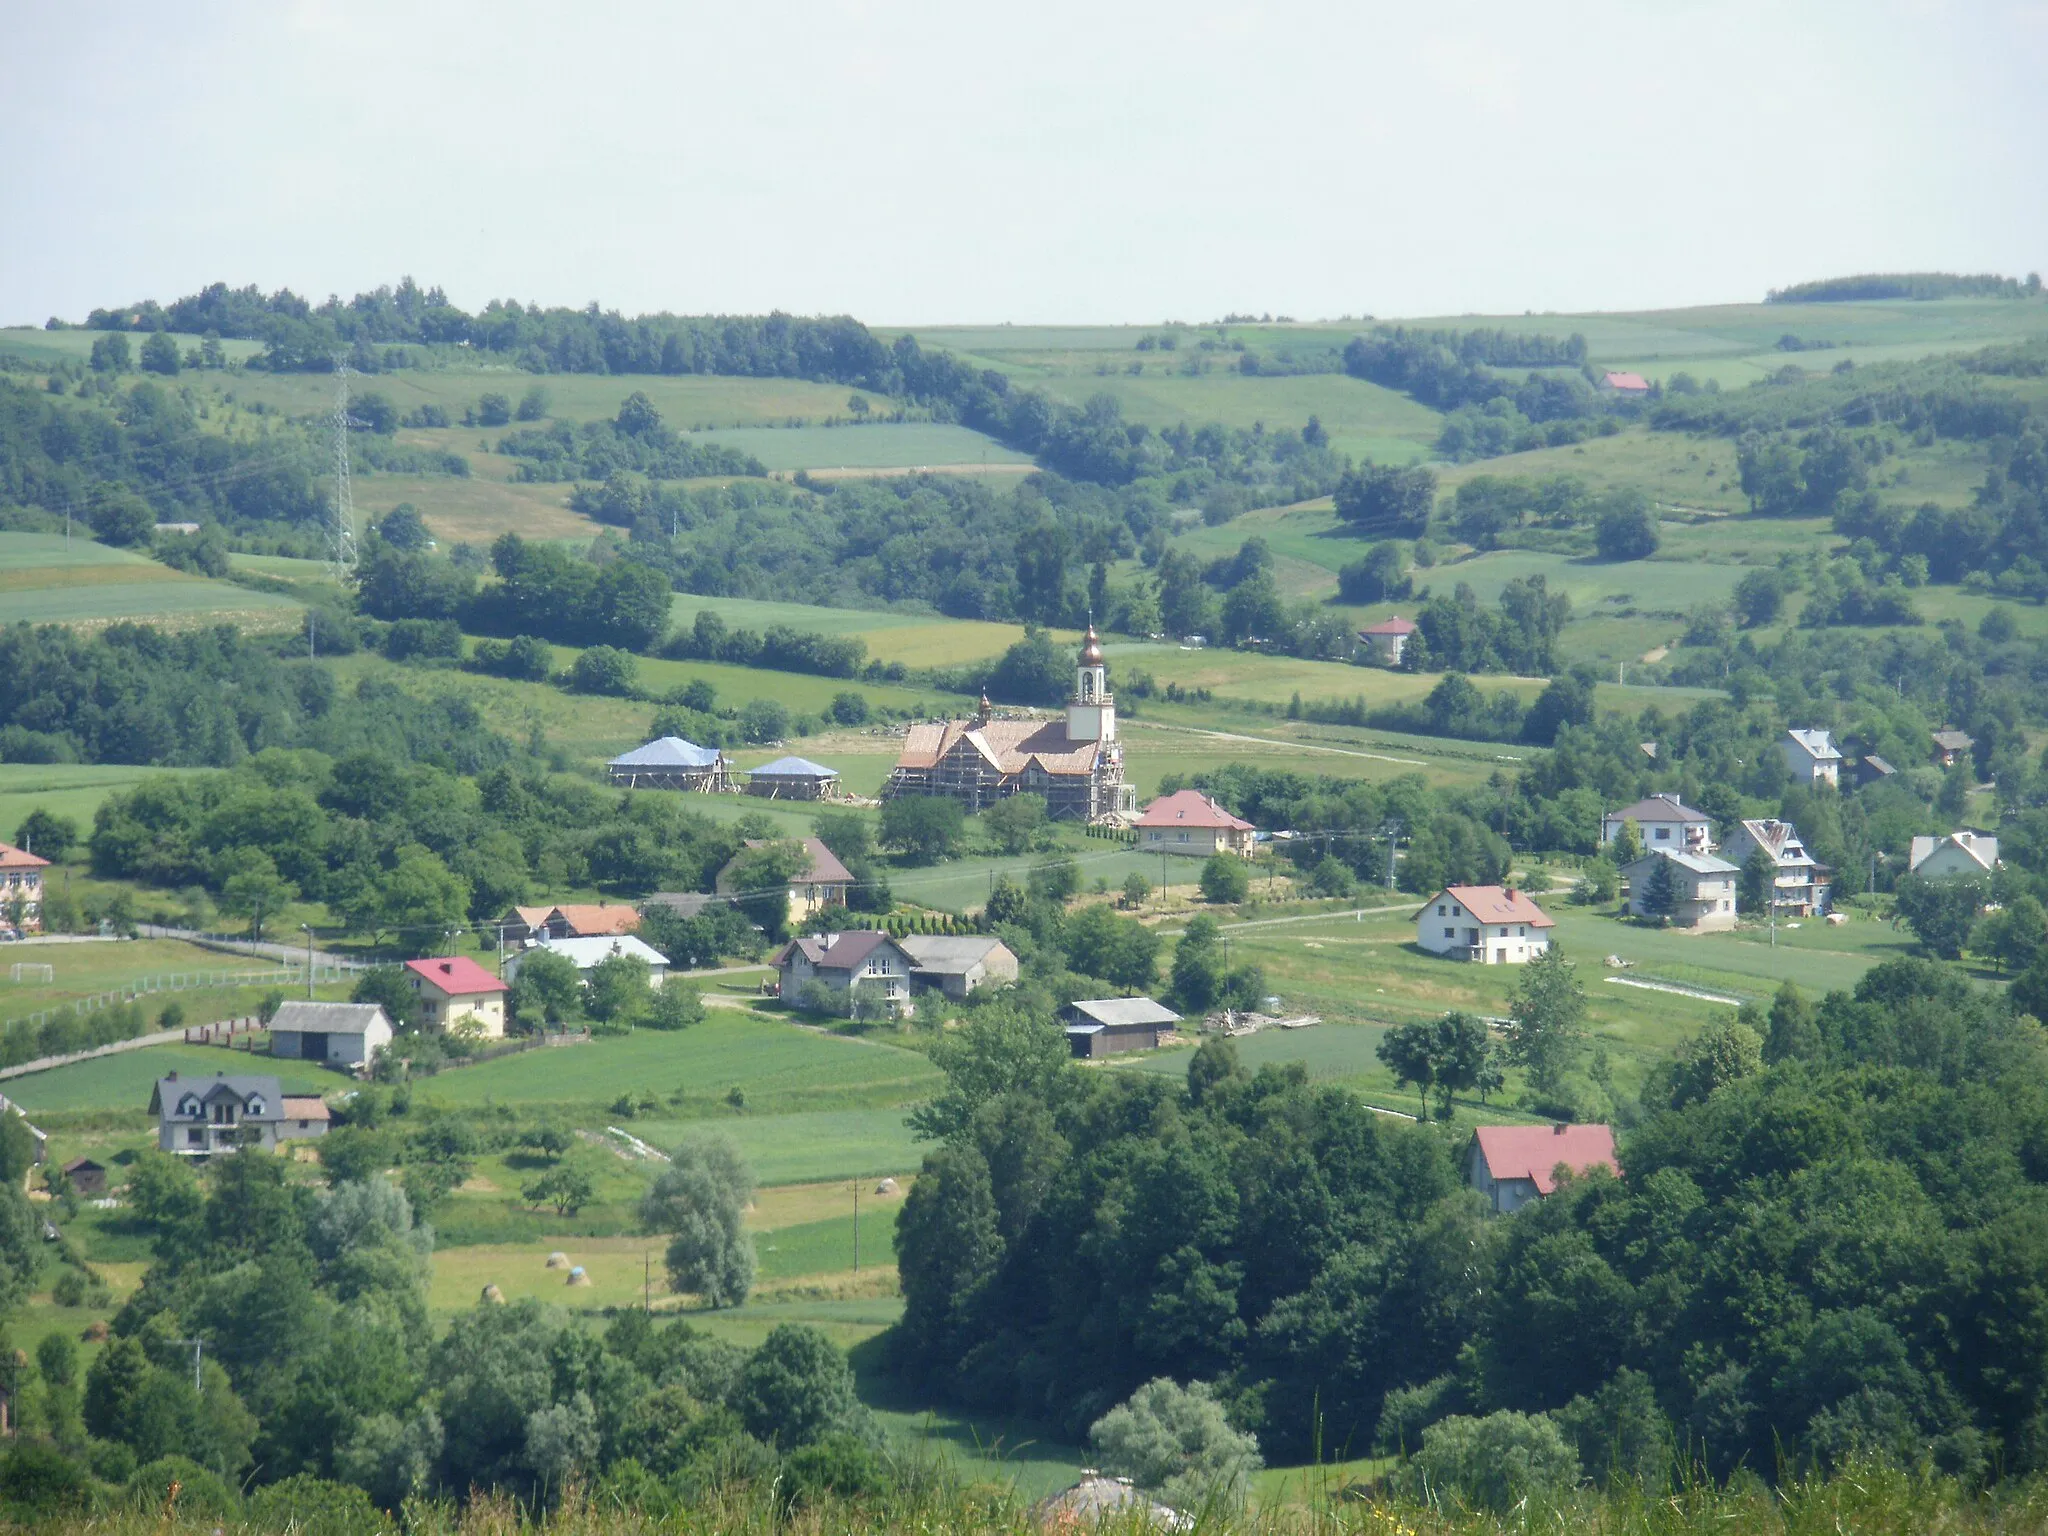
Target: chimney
(1558, 1129)
(170, 1077)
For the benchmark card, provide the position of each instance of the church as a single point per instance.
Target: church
(1075, 762)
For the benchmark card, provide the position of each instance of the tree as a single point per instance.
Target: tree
(637, 416)
(1056, 880)
(797, 1389)
(1627, 846)
(604, 669)
(422, 900)
(46, 834)
(1494, 1463)
(390, 988)
(765, 720)
(1725, 1051)
(1760, 597)
(616, 990)
(1178, 1443)
(2013, 935)
(110, 354)
(1627, 532)
(1447, 1053)
(1225, 879)
(926, 828)
(251, 887)
(1791, 1033)
(1014, 823)
(1659, 896)
(160, 354)
(1135, 889)
(403, 529)
(849, 708)
(533, 405)
(1548, 1012)
(493, 410)
(1386, 499)
(548, 988)
(567, 1186)
(676, 1005)
(701, 1200)
(1757, 885)
(1941, 913)
(1033, 671)
(1198, 964)
(760, 880)
(1381, 577)
(1120, 950)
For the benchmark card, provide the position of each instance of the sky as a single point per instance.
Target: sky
(929, 161)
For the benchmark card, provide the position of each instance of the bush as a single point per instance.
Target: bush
(840, 1465)
(1176, 1441)
(202, 1494)
(1492, 1463)
(1225, 880)
(40, 1482)
(312, 1506)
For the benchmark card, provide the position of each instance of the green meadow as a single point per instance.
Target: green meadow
(46, 578)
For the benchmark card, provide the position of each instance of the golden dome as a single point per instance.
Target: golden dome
(1091, 649)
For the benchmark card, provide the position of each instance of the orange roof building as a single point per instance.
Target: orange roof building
(1486, 923)
(1189, 822)
(1514, 1164)
(591, 920)
(21, 889)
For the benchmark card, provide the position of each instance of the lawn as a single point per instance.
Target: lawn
(73, 790)
(123, 1081)
(803, 1147)
(1363, 420)
(915, 639)
(45, 579)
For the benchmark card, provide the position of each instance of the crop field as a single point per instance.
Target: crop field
(47, 579)
(1363, 419)
(73, 790)
(882, 445)
(40, 346)
(474, 510)
(915, 639)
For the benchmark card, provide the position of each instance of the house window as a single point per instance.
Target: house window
(195, 1138)
(1441, 910)
(1183, 837)
(1522, 932)
(1663, 834)
(1450, 933)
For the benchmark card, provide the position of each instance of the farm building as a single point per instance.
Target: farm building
(958, 965)
(1483, 923)
(1702, 888)
(1106, 1026)
(1800, 886)
(1076, 763)
(21, 889)
(457, 993)
(1959, 853)
(305, 1115)
(821, 883)
(672, 763)
(590, 921)
(339, 1034)
(1514, 1164)
(1189, 822)
(522, 923)
(586, 952)
(1625, 383)
(1389, 639)
(1870, 768)
(863, 966)
(794, 778)
(1811, 758)
(1951, 747)
(199, 1116)
(85, 1176)
(1663, 823)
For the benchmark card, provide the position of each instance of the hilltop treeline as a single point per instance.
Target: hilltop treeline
(1907, 285)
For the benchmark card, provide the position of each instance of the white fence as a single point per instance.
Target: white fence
(182, 981)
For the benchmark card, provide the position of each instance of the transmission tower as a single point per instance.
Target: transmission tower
(342, 536)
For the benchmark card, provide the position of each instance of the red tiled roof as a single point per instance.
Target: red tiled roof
(596, 920)
(1627, 381)
(1534, 1151)
(1009, 745)
(457, 975)
(1190, 808)
(1393, 626)
(1492, 904)
(12, 857)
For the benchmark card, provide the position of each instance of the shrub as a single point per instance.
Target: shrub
(1177, 1442)
(312, 1506)
(1493, 1463)
(1225, 880)
(201, 1493)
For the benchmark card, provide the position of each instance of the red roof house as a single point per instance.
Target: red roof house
(1188, 821)
(1487, 923)
(21, 887)
(1628, 383)
(1514, 1164)
(457, 993)
(1389, 638)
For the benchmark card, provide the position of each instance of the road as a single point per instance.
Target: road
(265, 949)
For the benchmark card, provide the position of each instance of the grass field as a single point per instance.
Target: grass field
(800, 1148)
(47, 579)
(74, 790)
(884, 445)
(123, 1081)
(915, 639)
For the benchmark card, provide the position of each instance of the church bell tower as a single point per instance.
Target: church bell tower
(1091, 716)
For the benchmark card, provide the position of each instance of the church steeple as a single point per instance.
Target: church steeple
(1091, 716)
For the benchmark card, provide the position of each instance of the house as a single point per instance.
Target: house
(1663, 823)
(199, 1116)
(21, 889)
(1514, 1164)
(860, 967)
(1800, 886)
(1484, 923)
(1106, 1026)
(1625, 383)
(1076, 763)
(457, 993)
(305, 1116)
(522, 923)
(1703, 888)
(589, 921)
(594, 949)
(339, 1034)
(1189, 822)
(794, 778)
(672, 763)
(822, 882)
(1388, 639)
(1960, 853)
(85, 1176)
(1951, 747)
(1871, 768)
(680, 903)
(958, 965)
(1812, 758)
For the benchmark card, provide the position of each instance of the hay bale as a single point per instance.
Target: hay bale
(886, 1187)
(578, 1277)
(558, 1261)
(96, 1331)
(493, 1295)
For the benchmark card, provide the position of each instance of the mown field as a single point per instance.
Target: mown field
(47, 579)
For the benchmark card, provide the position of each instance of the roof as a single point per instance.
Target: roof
(1494, 904)
(844, 951)
(824, 868)
(1815, 743)
(1983, 850)
(1009, 745)
(1088, 1504)
(1774, 836)
(305, 1107)
(1698, 863)
(1123, 1010)
(1878, 765)
(329, 1018)
(170, 1089)
(1534, 1151)
(1393, 626)
(1660, 807)
(587, 950)
(1190, 808)
(682, 903)
(1954, 741)
(952, 955)
(668, 752)
(532, 917)
(456, 975)
(80, 1164)
(794, 768)
(1627, 381)
(12, 857)
(601, 917)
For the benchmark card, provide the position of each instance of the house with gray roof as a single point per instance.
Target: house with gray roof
(1959, 853)
(957, 964)
(794, 778)
(199, 1116)
(1664, 822)
(671, 763)
(862, 968)
(1703, 889)
(1105, 1026)
(1812, 758)
(346, 1035)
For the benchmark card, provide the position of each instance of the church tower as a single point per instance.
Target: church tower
(1091, 716)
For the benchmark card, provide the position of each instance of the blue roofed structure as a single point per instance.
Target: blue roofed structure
(794, 778)
(672, 763)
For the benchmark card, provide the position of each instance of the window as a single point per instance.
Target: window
(255, 1106)
(1522, 932)
(189, 1106)
(1183, 837)
(1663, 834)
(195, 1137)
(1503, 933)
(1442, 910)
(1450, 933)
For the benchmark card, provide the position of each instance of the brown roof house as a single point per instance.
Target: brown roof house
(1951, 747)
(1485, 923)
(861, 971)
(822, 883)
(1389, 639)
(1189, 822)
(1076, 762)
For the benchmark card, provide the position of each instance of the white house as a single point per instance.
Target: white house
(584, 953)
(1483, 923)
(1189, 822)
(1960, 853)
(862, 966)
(1664, 823)
(1799, 886)
(1703, 887)
(1812, 758)
(198, 1116)
(457, 993)
(1514, 1164)
(340, 1034)
(1389, 639)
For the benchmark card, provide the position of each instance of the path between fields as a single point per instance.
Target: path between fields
(1280, 741)
(1302, 917)
(289, 954)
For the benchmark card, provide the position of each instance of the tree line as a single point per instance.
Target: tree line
(1873, 286)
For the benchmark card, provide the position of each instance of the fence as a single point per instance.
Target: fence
(181, 981)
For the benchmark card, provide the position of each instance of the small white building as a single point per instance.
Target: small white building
(339, 1034)
(1189, 822)
(1388, 639)
(1514, 1164)
(1703, 888)
(1799, 886)
(1812, 758)
(1664, 823)
(585, 953)
(1959, 853)
(1483, 923)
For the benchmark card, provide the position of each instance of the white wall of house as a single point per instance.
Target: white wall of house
(1506, 1196)
(1948, 859)
(1446, 928)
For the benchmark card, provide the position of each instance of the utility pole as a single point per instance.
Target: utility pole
(195, 1345)
(342, 535)
(647, 1283)
(308, 928)
(856, 1226)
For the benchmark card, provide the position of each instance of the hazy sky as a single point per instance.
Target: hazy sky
(918, 162)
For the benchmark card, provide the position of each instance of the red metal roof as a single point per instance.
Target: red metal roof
(456, 975)
(1627, 381)
(1534, 1151)
(1492, 904)
(1190, 808)
(1393, 626)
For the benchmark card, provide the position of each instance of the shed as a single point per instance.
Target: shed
(671, 763)
(956, 965)
(1105, 1026)
(85, 1176)
(681, 903)
(305, 1115)
(794, 778)
(338, 1034)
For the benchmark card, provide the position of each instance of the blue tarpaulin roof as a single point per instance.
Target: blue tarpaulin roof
(795, 768)
(669, 752)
